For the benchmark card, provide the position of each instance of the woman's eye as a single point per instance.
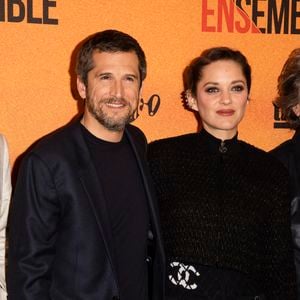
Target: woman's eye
(211, 90)
(238, 88)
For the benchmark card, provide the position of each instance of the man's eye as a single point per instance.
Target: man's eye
(104, 77)
(129, 78)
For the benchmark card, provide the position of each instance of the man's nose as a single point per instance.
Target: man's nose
(118, 89)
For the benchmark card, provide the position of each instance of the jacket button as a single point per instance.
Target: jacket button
(150, 235)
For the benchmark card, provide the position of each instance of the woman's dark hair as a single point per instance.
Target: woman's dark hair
(193, 72)
(288, 88)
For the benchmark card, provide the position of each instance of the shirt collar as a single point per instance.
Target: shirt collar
(215, 145)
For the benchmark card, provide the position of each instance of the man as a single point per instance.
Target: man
(83, 223)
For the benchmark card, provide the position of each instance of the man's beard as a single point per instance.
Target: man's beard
(109, 122)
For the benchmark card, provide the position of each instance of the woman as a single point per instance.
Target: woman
(224, 204)
(288, 153)
(5, 192)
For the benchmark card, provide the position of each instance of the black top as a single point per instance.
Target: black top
(224, 206)
(127, 206)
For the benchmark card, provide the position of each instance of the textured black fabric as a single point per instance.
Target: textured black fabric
(225, 210)
(211, 283)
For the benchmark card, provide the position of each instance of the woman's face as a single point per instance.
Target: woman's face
(221, 98)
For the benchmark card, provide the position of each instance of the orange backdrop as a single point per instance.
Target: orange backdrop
(35, 88)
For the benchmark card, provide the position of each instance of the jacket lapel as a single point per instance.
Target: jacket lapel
(153, 209)
(94, 191)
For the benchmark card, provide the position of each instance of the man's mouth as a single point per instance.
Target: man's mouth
(116, 103)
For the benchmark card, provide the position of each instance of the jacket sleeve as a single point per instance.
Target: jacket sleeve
(5, 200)
(296, 237)
(287, 153)
(32, 232)
(295, 211)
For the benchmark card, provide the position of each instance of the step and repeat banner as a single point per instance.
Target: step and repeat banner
(38, 38)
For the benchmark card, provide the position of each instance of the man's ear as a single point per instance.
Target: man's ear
(81, 88)
(140, 92)
(190, 100)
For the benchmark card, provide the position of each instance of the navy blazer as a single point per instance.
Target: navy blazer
(60, 241)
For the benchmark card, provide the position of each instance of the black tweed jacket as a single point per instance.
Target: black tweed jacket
(226, 206)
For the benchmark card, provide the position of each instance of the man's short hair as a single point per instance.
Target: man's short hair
(108, 41)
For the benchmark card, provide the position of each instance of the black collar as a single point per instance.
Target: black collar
(215, 145)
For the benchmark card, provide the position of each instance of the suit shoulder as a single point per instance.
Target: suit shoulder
(283, 149)
(172, 145)
(174, 140)
(56, 142)
(282, 152)
(256, 152)
(265, 160)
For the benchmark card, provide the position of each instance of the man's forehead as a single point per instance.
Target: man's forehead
(116, 60)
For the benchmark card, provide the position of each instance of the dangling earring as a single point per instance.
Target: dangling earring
(190, 101)
(186, 98)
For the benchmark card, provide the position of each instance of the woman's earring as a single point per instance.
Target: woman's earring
(190, 101)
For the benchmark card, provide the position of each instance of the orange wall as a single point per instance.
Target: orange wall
(35, 59)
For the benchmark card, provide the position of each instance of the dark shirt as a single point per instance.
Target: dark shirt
(127, 207)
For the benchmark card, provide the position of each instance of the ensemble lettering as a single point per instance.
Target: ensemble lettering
(251, 16)
(16, 11)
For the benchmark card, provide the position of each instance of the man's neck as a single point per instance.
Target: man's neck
(99, 131)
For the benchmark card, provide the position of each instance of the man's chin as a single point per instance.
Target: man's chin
(115, 128)
(114, 125)
(113, 122)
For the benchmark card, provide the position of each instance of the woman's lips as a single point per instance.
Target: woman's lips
(225, 112)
